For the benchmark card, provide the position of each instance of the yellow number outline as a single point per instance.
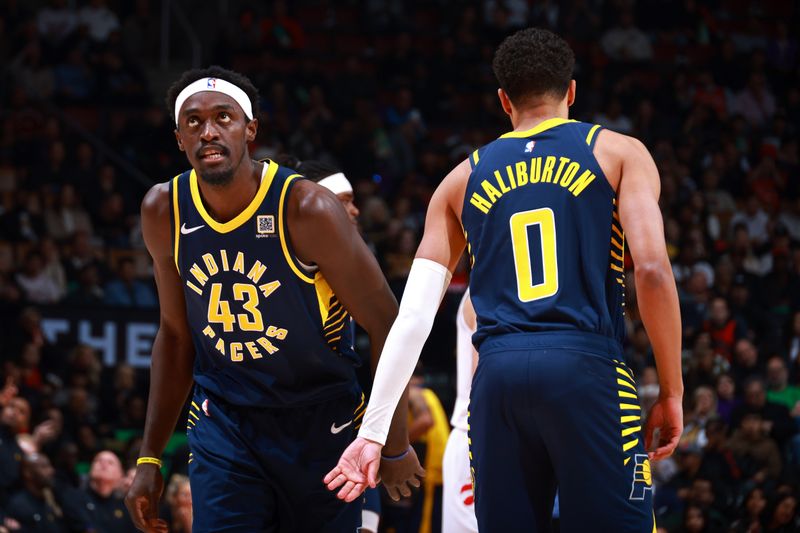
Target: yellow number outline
(219, 310)
(256, 323)
(519, 223)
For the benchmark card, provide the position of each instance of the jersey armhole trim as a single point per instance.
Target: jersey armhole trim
(591, 137)
(290, 259)
(474, 158)
(176, 221)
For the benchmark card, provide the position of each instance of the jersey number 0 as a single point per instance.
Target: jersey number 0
(544, 218)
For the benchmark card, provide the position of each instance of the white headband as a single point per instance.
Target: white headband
(215, 85)
(336, 183)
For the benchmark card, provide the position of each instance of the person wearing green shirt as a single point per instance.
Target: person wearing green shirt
(778, 388)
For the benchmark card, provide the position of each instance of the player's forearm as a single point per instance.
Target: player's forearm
(170, 383)
(403, 346)
(660, 311)
(381, 317)
(397, 439)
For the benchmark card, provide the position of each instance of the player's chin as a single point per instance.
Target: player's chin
(215, 174)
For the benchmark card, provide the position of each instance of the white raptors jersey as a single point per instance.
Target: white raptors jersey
(463, 367)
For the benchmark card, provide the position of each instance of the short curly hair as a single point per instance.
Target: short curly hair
(533, 62)
(214, 71)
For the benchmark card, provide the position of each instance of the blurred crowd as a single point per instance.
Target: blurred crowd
(396, 93)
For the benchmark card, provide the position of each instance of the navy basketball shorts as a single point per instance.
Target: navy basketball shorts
(258, 469)
(558, 410)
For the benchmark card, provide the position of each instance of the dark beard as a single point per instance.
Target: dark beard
(217, 178)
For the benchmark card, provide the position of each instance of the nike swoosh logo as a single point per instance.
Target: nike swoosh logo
(336, 430)
(187, 231)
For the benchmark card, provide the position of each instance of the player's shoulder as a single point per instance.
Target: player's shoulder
(618, 144)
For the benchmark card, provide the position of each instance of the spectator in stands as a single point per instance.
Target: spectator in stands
(53, 267)
(745, 362)
(722, 327)
(41, 506)
(726, 397)
(625, 42)
(179, 500)
(750, 514)
(126, 290)
(56, 22)
(774, 418)
(757, 454)
(98, 19)
(68, 217)
(705, 407)
(756, 103)
(23, 220)
(12, 417)
(105, 500)
(88, 291)
(38, 287)
(778, 389)
(781, 515)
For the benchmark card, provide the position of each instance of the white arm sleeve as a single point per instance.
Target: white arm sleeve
(427, 282)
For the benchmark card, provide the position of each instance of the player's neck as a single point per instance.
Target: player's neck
(529, 117)
(225, 202)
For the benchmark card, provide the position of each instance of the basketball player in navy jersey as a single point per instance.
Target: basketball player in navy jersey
(541, 212)
(256, 270)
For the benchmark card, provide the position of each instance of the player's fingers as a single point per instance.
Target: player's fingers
(345, 491)
(332, 474)
(392, 492)
(156, 525)
(137, 513)
(420, 471)
(337, 482)
(665, 451)
(405, 490)
(355, 492)
(414, 481)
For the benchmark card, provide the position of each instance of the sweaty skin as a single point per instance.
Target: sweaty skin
(214, 132)
(631, 172)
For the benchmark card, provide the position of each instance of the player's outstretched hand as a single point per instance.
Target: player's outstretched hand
(666, 416)
(357, 468)
(399, 475)
(142, 499)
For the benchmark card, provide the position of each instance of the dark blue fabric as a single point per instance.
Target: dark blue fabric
(261, 469)
(545, 413)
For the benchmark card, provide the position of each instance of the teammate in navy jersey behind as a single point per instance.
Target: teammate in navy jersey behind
(256, 270)
(541, 212)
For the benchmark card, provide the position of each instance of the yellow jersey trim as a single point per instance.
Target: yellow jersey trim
(176, 214)
(591, 134)
(475, 157)
(289, 259)
(324, 294)
(539, 128)
(244, 216)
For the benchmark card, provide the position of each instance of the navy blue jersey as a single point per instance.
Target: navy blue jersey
(543, 234)
(267, 331)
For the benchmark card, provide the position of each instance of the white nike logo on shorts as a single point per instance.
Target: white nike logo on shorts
(336, 430)
(187, 231)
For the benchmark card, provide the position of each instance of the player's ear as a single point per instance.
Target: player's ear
(251, 130)
(571, 93)
(178, 138)
(505, 101)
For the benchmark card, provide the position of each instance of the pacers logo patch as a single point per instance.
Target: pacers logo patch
(265, 224)
(642, 478)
